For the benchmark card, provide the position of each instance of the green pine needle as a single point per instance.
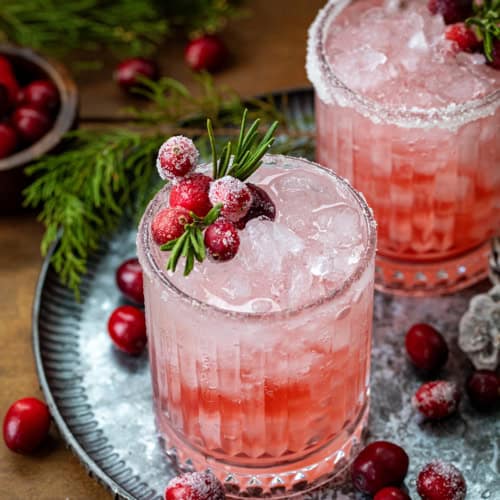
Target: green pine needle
(486, 23)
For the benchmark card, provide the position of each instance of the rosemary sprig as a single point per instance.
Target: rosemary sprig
(247, 156)
(190, 244)
(486, 21)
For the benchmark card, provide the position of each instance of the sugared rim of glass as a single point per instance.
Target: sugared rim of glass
(332, 89)
(144, 242)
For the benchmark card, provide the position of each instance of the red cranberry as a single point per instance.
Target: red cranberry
(483, 388)
(26, 425)
(168, 224)
(378, 465)
(222, 240)
(206, 53)
(437, 399)
(391, 493)
(441, 481)
(426, 347)
(191, 193)
(129, 280)
(195, 486)
(31, 123)
(177, 157)
(464, 37)
(127, 329)
(235, 196)
(40, 94)
(453, 11)
(128, 71)
(262, 206)
(8, 140)
(8, 79)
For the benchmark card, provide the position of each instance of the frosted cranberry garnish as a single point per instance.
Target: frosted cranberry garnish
(441, 481)
(191, 193)
(378, 465)
(234, 195)
(177, 157)
(195, 486)
(437, 399)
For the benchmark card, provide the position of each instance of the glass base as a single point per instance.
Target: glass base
(328, 464)
(418, 279)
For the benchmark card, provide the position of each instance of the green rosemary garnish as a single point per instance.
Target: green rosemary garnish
(247, 157)
(486, 21)
(190, 244)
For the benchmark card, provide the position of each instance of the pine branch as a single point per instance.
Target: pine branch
(486, 22)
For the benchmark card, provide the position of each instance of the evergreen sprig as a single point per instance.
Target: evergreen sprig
(190, 244)
(247, 156)
(486, 21)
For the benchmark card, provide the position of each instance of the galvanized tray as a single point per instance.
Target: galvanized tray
(101, 399)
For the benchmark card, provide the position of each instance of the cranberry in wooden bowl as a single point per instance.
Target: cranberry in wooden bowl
(38, 105)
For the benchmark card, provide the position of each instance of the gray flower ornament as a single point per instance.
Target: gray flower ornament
(479, 330)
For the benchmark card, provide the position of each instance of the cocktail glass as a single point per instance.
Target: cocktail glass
(271, 395)
(430, 173)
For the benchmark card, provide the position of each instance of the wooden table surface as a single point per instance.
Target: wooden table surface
(268, 54)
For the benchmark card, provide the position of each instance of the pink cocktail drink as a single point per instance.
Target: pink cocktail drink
(260, 365)
(413, 123)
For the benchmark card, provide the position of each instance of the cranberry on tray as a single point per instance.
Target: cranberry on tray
(129, 280)
(127, 329)
(441, 481)
(195, 486)
(426, 347)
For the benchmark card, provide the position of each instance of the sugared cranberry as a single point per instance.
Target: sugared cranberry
(262, 206)
(129, 280)
(169, 223)
(378, 465)
(195, 486)
(31, 123)
(495, 54)
(464, 37)
(426, 347)
(26, 425)
(191, 193)
(483, 389)
(177, 157)
(8, 140)
(391, 493)
(437, 399)
(8, 79)
(40, 94)
(222, 240)
(206, 53)
(235, 196)
(127, 329)
(453, 11)
(441, 481)
(128, 71)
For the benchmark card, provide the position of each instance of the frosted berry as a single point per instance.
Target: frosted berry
(127, 72)
(391, 493)
(40, 94)
(26, 425)
(8, 140)
(453, 11)
(437, 399)
(378, 465)
(495, 54)
(426, 347)
(235, 196)
(483, 389)
(129, 280)
(177, 157)
(441, 481)
(31, 123)
(222, 240)
(195, 486)
(191, 193)
(127, 329)
(262, 206)
(464, 37)
(207, 53)
(169, 223)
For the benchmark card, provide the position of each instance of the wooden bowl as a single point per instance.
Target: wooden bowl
(29, 65)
